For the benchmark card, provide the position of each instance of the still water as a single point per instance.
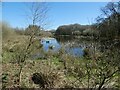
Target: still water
(76, 46)
(70, 47)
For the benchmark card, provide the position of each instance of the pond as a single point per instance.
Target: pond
(70, 47)
(74, 46)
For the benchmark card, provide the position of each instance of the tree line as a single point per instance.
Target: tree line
(107, 24)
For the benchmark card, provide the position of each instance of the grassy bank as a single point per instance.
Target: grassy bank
(60, 70)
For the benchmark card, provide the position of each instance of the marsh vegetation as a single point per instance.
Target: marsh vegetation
(85, 57)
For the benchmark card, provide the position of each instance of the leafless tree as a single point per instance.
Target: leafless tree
(37, 16)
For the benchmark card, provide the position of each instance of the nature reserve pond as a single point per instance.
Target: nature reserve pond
(70, 47)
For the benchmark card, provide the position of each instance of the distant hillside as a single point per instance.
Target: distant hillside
(74, 29)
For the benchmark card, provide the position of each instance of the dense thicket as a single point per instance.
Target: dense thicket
(108, 24)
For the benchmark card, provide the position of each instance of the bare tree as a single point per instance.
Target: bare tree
(37, 16)
(37, 13)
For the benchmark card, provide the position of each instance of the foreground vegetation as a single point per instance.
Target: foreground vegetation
(62, 71)
(93, 70)
(98, 68)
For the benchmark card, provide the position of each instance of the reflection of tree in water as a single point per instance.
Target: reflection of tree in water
(64, 38)
(102, 46)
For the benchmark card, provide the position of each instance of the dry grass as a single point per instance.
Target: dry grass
(53, 66)
(55, 74)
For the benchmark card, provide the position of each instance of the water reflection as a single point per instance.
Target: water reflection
(64, 38)
(76, 46)
(68, 44)
(75, 51)
(50, 44)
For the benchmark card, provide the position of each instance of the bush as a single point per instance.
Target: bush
(7, 31)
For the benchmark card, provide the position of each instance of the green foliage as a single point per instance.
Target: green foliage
(4, 80)
(4, 77)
